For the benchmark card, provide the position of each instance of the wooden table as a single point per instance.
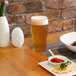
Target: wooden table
(23, 61)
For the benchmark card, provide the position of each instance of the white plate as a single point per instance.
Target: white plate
(49, 68)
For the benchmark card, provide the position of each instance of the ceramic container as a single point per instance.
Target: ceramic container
(4, 32)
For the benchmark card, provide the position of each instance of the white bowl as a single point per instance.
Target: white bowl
(67, 39)
(57, 56)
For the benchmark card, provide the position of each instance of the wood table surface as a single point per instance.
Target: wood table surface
(23, 61)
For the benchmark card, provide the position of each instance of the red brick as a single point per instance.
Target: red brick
(75, 24)
(14, 0)
(19, 18)
(15, 19)
(28, 6)
(33, 6)
(59, 4)
(60, 25)
(68, 13)
(15, 8)
(52, 15)
(25, 29)
(11, 20)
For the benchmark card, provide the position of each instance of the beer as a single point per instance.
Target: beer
(39, 29)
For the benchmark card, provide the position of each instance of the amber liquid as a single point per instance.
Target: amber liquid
(39, 35)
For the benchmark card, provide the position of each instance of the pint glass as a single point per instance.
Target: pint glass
(39, 30)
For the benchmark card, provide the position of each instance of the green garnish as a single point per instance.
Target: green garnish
(65, 64)
(69, 62)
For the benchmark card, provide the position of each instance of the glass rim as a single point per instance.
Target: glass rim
(39, 17)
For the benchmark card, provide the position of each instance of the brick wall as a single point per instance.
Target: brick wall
(61, 14)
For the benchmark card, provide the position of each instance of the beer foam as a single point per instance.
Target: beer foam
(39, 20)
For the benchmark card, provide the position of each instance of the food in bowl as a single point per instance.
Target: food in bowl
(57, 60)
(64, 67)
(74, 43)
(67, 39)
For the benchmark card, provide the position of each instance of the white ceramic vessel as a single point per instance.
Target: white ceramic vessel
(4, 32)
(67, 39)
(57, 56)
(17, 37)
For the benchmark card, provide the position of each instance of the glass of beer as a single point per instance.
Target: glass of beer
(39, 30)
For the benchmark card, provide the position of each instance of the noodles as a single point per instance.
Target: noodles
(70, 68)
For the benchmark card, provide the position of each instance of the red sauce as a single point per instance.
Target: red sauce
(56, 60)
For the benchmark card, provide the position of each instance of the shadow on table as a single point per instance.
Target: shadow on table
(59, 49)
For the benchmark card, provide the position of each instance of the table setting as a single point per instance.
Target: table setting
(64, 48)
(58, 65)
(57, 58)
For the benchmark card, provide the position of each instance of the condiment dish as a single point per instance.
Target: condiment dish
(57, 56)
